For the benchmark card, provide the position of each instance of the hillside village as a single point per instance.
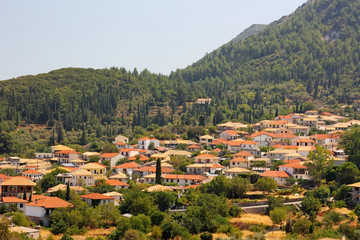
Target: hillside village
(275, 149)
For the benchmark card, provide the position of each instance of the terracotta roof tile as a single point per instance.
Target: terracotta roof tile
(277, 174)
(97, 196)
(50, 202)
(206, 156)
(113, 182)
(13, 200)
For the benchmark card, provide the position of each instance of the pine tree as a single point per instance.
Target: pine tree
(158, 172)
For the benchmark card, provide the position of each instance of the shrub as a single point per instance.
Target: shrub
(206, 236)
(301, 226)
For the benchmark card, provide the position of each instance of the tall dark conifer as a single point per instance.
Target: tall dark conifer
(158, 172)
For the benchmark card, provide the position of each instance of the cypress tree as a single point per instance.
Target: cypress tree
(83, 140)
(24, 196)
(60, 136)
(67, 192)
(158, 172)
(30, 197)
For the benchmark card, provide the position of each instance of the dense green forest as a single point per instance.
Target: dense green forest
(310, 55)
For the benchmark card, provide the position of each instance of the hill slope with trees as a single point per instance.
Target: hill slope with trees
(310, 55)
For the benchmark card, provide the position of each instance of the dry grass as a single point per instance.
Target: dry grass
(256, 219)
(275, 235)
(91, 233)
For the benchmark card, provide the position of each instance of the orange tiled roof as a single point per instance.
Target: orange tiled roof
(153, 169)
(13, 200)
(109, 155)
(128, 165)
(295, 165)
(284, 135)
(32, 172)
(141, 158)
(188, 177)
(113, 182)
(97, 196)
(217, 166)
(285, 146)
(206, 156)
(194, 146)
(243, 154)
(235, 143)
(128, 150)
(259, 134)
(239, 159)
(231, 132)
(18, 181)
(277, 174)
(50, 202)
(321, 136)
(219, 141)
(121, 144)
(249, 142)
(304, 140)
(217, 150)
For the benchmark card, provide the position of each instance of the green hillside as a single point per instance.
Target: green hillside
(310, 55)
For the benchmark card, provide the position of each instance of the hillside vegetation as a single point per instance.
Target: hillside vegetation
(310, 55)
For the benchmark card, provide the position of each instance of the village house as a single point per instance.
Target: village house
(239, 162)
(234, 146)
(77, 178)
(121, 138)
(304, 142)
(355, 192)
(279, 153)
(229, 135)
(113, 158)
(146, 170)
(279, 176)
(219, 141)
(87, 155)
(119, 176)
(95, 168)
(129, 152)
(235, 126)
(17, 187)
(43, 155)
(40, 209)
(203, 101)
(18, 202)
(206, 158)
(234, 172)
(243, 154)
(78, 162)
(263, 139)
(202, 168)
(64, 156)
(31, 233)
(296, 170)
(121, 145)
(35, 176)
(146, 142)
(95, 199)
(193, 148)
(205, 140)
(182, 180)
(126, 168)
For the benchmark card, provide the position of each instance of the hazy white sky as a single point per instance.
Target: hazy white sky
(161, 35)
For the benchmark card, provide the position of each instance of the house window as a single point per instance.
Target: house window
(21, 205)
(47, 212)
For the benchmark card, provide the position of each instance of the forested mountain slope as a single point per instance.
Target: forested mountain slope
(312, 54)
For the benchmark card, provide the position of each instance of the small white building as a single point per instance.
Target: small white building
(94, 199)
(144, 143)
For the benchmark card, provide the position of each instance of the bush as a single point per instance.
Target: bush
(206, 236)
(20, 219)
(301, 226)
(333, 218)
(235, 211)
(278, 215)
